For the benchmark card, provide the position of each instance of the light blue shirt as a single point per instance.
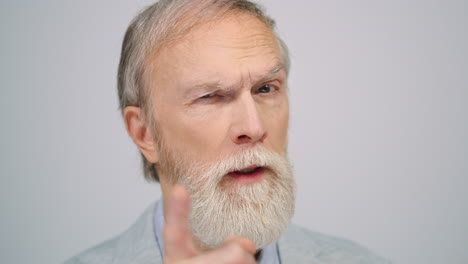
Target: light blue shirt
(268, 255)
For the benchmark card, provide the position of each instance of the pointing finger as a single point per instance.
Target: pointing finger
(178, 243)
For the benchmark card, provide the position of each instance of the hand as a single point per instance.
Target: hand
(179, 246)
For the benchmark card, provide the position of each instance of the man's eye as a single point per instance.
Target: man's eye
(265, 89)
(207, 96)
(210, 97)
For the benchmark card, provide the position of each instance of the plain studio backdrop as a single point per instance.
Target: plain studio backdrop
(378, 133)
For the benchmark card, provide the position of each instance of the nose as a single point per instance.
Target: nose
(247, 126)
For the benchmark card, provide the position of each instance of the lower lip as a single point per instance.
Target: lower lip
(247, 178)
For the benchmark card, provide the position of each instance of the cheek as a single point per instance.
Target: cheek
(201, 136)
(276, 122)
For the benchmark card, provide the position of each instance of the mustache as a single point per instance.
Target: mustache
(214, 172)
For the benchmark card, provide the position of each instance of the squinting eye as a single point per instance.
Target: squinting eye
(207, 96)
(265, 89)
(211, 97)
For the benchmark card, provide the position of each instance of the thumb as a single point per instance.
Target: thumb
(178, 243)
(244, 243)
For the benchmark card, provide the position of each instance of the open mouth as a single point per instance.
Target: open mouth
(251, 173)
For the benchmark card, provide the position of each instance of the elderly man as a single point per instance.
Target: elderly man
(203, 90)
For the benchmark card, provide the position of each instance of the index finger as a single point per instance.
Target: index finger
(178, 243)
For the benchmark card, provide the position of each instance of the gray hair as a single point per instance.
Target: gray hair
(155, 27)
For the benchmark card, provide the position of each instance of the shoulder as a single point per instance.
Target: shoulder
(102, 253)
(299, 245)
(136, 245)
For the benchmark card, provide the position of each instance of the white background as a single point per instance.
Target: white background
(377, 137)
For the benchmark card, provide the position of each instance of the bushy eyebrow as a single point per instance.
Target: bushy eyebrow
(210, 87)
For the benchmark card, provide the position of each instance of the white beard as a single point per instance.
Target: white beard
(259, 211)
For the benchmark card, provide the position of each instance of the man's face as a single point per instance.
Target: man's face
(217, 91)
(220, 97)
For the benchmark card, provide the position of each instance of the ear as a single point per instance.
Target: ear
(139, 131)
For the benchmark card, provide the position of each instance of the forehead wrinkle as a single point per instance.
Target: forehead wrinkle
(268, 75)
(249, 44)
(253, 41)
